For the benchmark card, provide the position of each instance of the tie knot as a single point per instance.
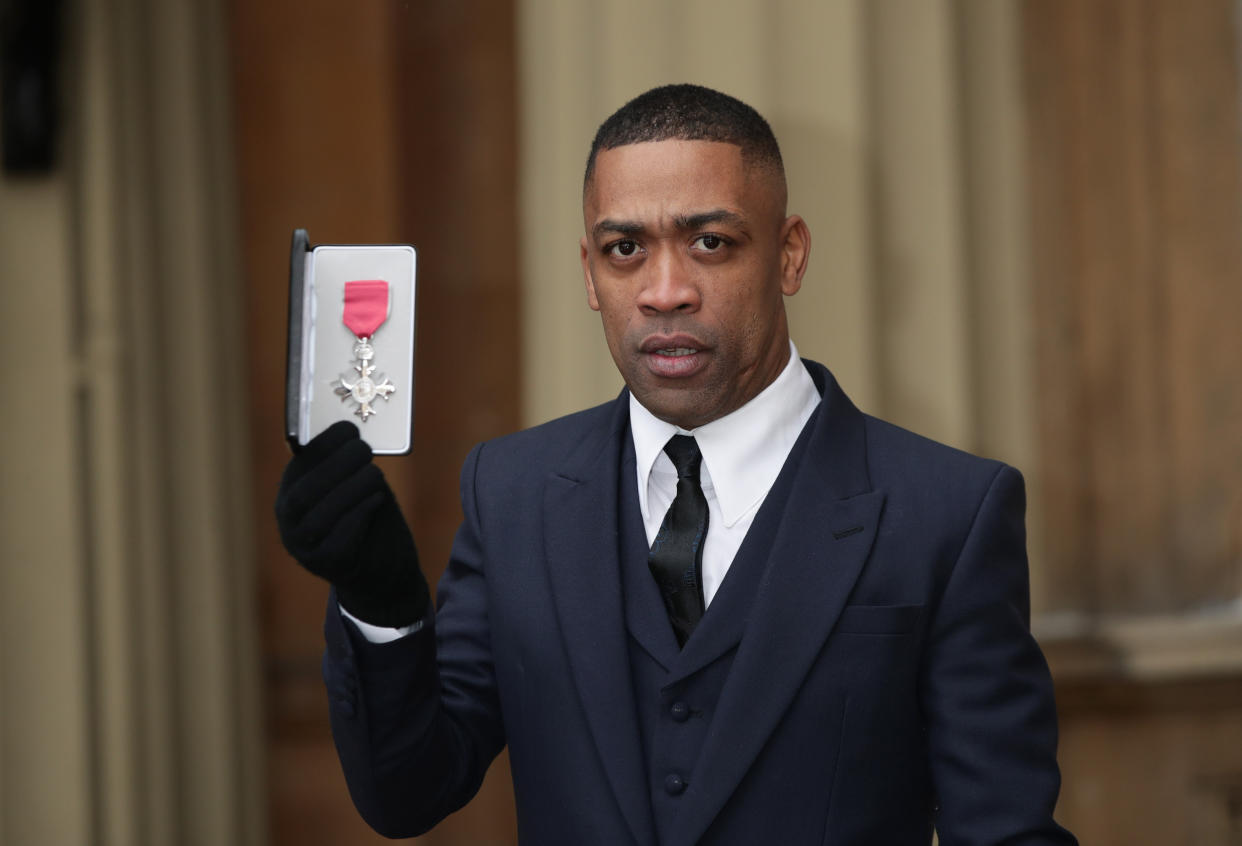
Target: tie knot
(683, 450)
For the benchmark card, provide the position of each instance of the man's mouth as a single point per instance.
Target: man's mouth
(673, 357)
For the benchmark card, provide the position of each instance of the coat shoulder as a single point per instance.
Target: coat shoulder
(556, 444)
(894, 456)
(901, 459)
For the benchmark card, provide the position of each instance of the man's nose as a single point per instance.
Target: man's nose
(669, 286)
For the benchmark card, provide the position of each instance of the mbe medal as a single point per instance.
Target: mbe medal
(366, 308)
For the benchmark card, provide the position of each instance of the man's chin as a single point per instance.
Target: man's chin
(679, 406)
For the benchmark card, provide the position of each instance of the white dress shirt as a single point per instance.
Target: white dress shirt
(743, 453)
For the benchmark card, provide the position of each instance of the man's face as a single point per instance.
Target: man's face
(687, 256)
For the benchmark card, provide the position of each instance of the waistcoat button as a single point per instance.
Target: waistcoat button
(674, 785)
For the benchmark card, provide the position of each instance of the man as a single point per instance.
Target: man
(726, 608)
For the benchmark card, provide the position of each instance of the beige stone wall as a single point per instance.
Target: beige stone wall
(45, 748)
(128, 705)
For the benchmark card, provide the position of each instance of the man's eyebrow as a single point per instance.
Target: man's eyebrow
(701, 219)
(684, 222)
(623, 227)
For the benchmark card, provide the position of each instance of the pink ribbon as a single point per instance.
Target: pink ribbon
(366, 306)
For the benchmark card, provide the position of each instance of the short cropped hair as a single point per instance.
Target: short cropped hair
(687, 112)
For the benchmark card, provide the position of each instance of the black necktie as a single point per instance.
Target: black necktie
(676, 558)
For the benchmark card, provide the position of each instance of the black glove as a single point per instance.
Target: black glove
(338, 517)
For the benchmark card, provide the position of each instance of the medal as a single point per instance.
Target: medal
(366, 308)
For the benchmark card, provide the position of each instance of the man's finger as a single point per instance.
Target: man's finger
(342, 546)
(320, 447)
(326, 514)
(303, 494)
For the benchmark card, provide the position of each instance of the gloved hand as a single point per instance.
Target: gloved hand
(340, 520)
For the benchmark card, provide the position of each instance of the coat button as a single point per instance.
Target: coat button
(674, 785)
(680, 711)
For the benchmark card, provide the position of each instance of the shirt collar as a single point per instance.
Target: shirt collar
(742, 451)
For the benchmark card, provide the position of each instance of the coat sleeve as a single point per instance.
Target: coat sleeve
(417, 721)
(986, 690)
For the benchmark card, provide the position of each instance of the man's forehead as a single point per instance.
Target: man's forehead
(670, 178)
(630, 160)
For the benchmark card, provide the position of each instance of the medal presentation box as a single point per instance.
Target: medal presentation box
(351, 342)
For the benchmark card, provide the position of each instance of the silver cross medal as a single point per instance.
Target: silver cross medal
(363, 390)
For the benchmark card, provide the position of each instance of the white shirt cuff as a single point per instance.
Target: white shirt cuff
(382, 634)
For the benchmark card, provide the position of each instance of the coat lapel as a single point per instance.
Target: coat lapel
(644, 609)
(725, 622)
(817, 555)
(581, 549)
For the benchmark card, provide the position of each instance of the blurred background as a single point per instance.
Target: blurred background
(1027, 222)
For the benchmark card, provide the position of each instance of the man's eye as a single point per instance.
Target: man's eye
(711, 243)
(624, 249)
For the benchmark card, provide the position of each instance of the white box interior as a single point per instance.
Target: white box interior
(328, 344)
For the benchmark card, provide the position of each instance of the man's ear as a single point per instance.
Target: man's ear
(795, 253)
(592, 300)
